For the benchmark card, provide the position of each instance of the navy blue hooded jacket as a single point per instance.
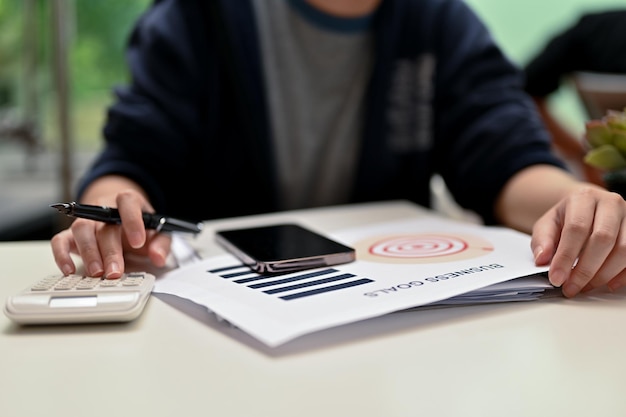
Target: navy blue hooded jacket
(192, 126)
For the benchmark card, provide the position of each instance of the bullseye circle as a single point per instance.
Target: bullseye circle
(424, 246)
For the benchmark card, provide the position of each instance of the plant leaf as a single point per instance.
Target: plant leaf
(616, 120)
(597, 133)
(619, 141)
(606, 157)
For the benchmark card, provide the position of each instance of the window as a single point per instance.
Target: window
(59, 60)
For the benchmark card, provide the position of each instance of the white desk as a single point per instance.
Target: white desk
(554, 357)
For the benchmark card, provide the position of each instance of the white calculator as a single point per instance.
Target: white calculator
(78, 299)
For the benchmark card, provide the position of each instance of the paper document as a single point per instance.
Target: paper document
(400, 265)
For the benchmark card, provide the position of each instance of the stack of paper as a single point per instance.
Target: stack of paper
(400, 265)
(528, 288)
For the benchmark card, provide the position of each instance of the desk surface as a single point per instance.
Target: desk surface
(554, 357)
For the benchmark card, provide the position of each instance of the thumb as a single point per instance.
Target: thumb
(544, 241)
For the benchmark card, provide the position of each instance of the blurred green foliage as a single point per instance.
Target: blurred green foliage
(10, 36)
(97, 32)
(102, 29)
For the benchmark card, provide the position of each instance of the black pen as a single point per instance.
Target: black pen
(112, 216)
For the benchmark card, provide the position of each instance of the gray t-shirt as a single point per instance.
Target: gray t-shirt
(316, 71)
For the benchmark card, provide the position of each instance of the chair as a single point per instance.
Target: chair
(600, 92)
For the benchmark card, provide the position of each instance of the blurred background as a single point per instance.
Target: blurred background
(60, 59)
(522, 27)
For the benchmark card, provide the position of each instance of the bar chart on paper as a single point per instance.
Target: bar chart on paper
(292, 286)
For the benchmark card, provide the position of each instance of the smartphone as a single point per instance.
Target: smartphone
(283, 248)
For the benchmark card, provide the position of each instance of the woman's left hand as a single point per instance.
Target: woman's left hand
(583, 238)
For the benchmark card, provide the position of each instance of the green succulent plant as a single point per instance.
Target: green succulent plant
(606, 141)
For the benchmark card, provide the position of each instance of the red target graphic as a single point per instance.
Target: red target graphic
(422, 248)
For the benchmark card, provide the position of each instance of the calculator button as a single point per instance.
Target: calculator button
(88, 283)
(45, 284)
(68, 282)
(42, 286)
(132, 282)
(109, 283)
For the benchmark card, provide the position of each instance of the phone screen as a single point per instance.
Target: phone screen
(283, 247)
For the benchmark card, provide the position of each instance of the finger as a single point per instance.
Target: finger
(159, 248)
(62, 246)
(131, 205)
(84, 232)
(609, 235)
(545, 237)
(613, 266)
(111, 250)
(618, 282)
(589, 271)
(577, 221)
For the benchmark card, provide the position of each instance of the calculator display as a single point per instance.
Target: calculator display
(64, 302)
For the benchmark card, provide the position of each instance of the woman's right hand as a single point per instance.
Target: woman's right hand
(102, 246)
